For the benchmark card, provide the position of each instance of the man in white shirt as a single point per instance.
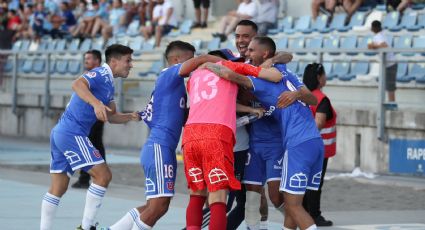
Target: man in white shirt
(247, 9)
(163, 21)
(379, 40)
(267, 15)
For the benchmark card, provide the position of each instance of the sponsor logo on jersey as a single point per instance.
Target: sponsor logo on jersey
(97, 153)
(91, 74)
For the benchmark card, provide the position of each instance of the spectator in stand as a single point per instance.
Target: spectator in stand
(314, 78)
(163, 21)
(132, 9)
(146, 7)
(247, 9)
(205, 7)
(399, 5)
(350, 7)
(68, 19)
(26, 17)
(40, 18)
(114, 24)
(94, 11)
(267, 15)
(379, 40)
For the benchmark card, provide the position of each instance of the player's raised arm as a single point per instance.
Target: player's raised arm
(269, 74)
(115, 117)
(81, 88)
(279, 57)
(193, 63)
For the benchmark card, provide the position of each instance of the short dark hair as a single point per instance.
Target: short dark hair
(116, 51)
(96, 54)
(268, 42)
(311, 72)
(376, 26)
(247, 22)
(178, 45)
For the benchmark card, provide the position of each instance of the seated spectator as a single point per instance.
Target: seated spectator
(146, 11)
(267, 15)
(63, 22)
(163, 21)
(399, 5)
(26, 17)
(87, 21)
(114, 24)
(39, 20)
(132, 10)
(247, 9)
(349, 6)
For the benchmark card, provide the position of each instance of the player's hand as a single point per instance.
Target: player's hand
(258, 111)
(287, 98)
(134, 116)
(101, 111)
(219, 70)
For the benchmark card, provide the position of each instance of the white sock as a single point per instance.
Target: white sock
(264, 225)
(94, 197)
(137, 223)
(252, 205)
(48, 210)
(125, 223)
(285, 228)
(312, 227)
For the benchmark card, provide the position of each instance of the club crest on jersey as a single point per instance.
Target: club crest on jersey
(217, 175)
(91, 74)
(196, 174)
(97, 153)
(170, 185)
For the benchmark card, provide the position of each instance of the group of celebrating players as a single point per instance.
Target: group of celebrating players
(285, 148)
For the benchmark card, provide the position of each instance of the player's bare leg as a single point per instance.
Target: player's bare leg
(295, 213)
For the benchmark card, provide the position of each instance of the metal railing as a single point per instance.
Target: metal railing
(318, 53)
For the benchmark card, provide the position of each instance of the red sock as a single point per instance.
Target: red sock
(218, 219)
(194, 212)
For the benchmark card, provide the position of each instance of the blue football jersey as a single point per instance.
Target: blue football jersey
(79, 116)
(297, 122)
(164, 114)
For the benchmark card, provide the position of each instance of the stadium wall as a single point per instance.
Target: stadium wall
(357, 144)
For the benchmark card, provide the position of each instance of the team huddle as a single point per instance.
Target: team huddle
(286, 150)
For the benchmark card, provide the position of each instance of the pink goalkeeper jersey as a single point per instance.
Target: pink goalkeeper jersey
(212, 99)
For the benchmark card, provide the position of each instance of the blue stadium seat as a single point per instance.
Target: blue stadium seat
(155, 68)
(404, 42)
(39, 66)
(214, 44)
(133, 28)
(61, 44)
(85, 45)
(349, 42)
(97, 44)
(401, 75)
(337, 23)
(391, 20)
(61, 66)
(420, 24)
(302, 24)
(292, 66)
(184, 28)
(74, 67)
(357, 19)
(111, 41)
(297, 43)
(148, 46)
(43, 45)
(198, 44)
(358, 68)
(301, 68)
(408, 20)
(417, 6)
(331, 43)
(8, 67)
(73, 46)
(282, 43)
(27, 66)
(416, 72)
(52, 45)
(319, 24)
(314, 43)
(328, 70)
(340, 71)
(17, 45)
(25, 45)
(419, 42)
(284, 24)
(137, 45)
(52, 66)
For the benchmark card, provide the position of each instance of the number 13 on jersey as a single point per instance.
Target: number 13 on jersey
(204, 91)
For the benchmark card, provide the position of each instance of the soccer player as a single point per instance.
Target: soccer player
(208, 140)
(92, 59)
(302, 162)
(93, 99)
